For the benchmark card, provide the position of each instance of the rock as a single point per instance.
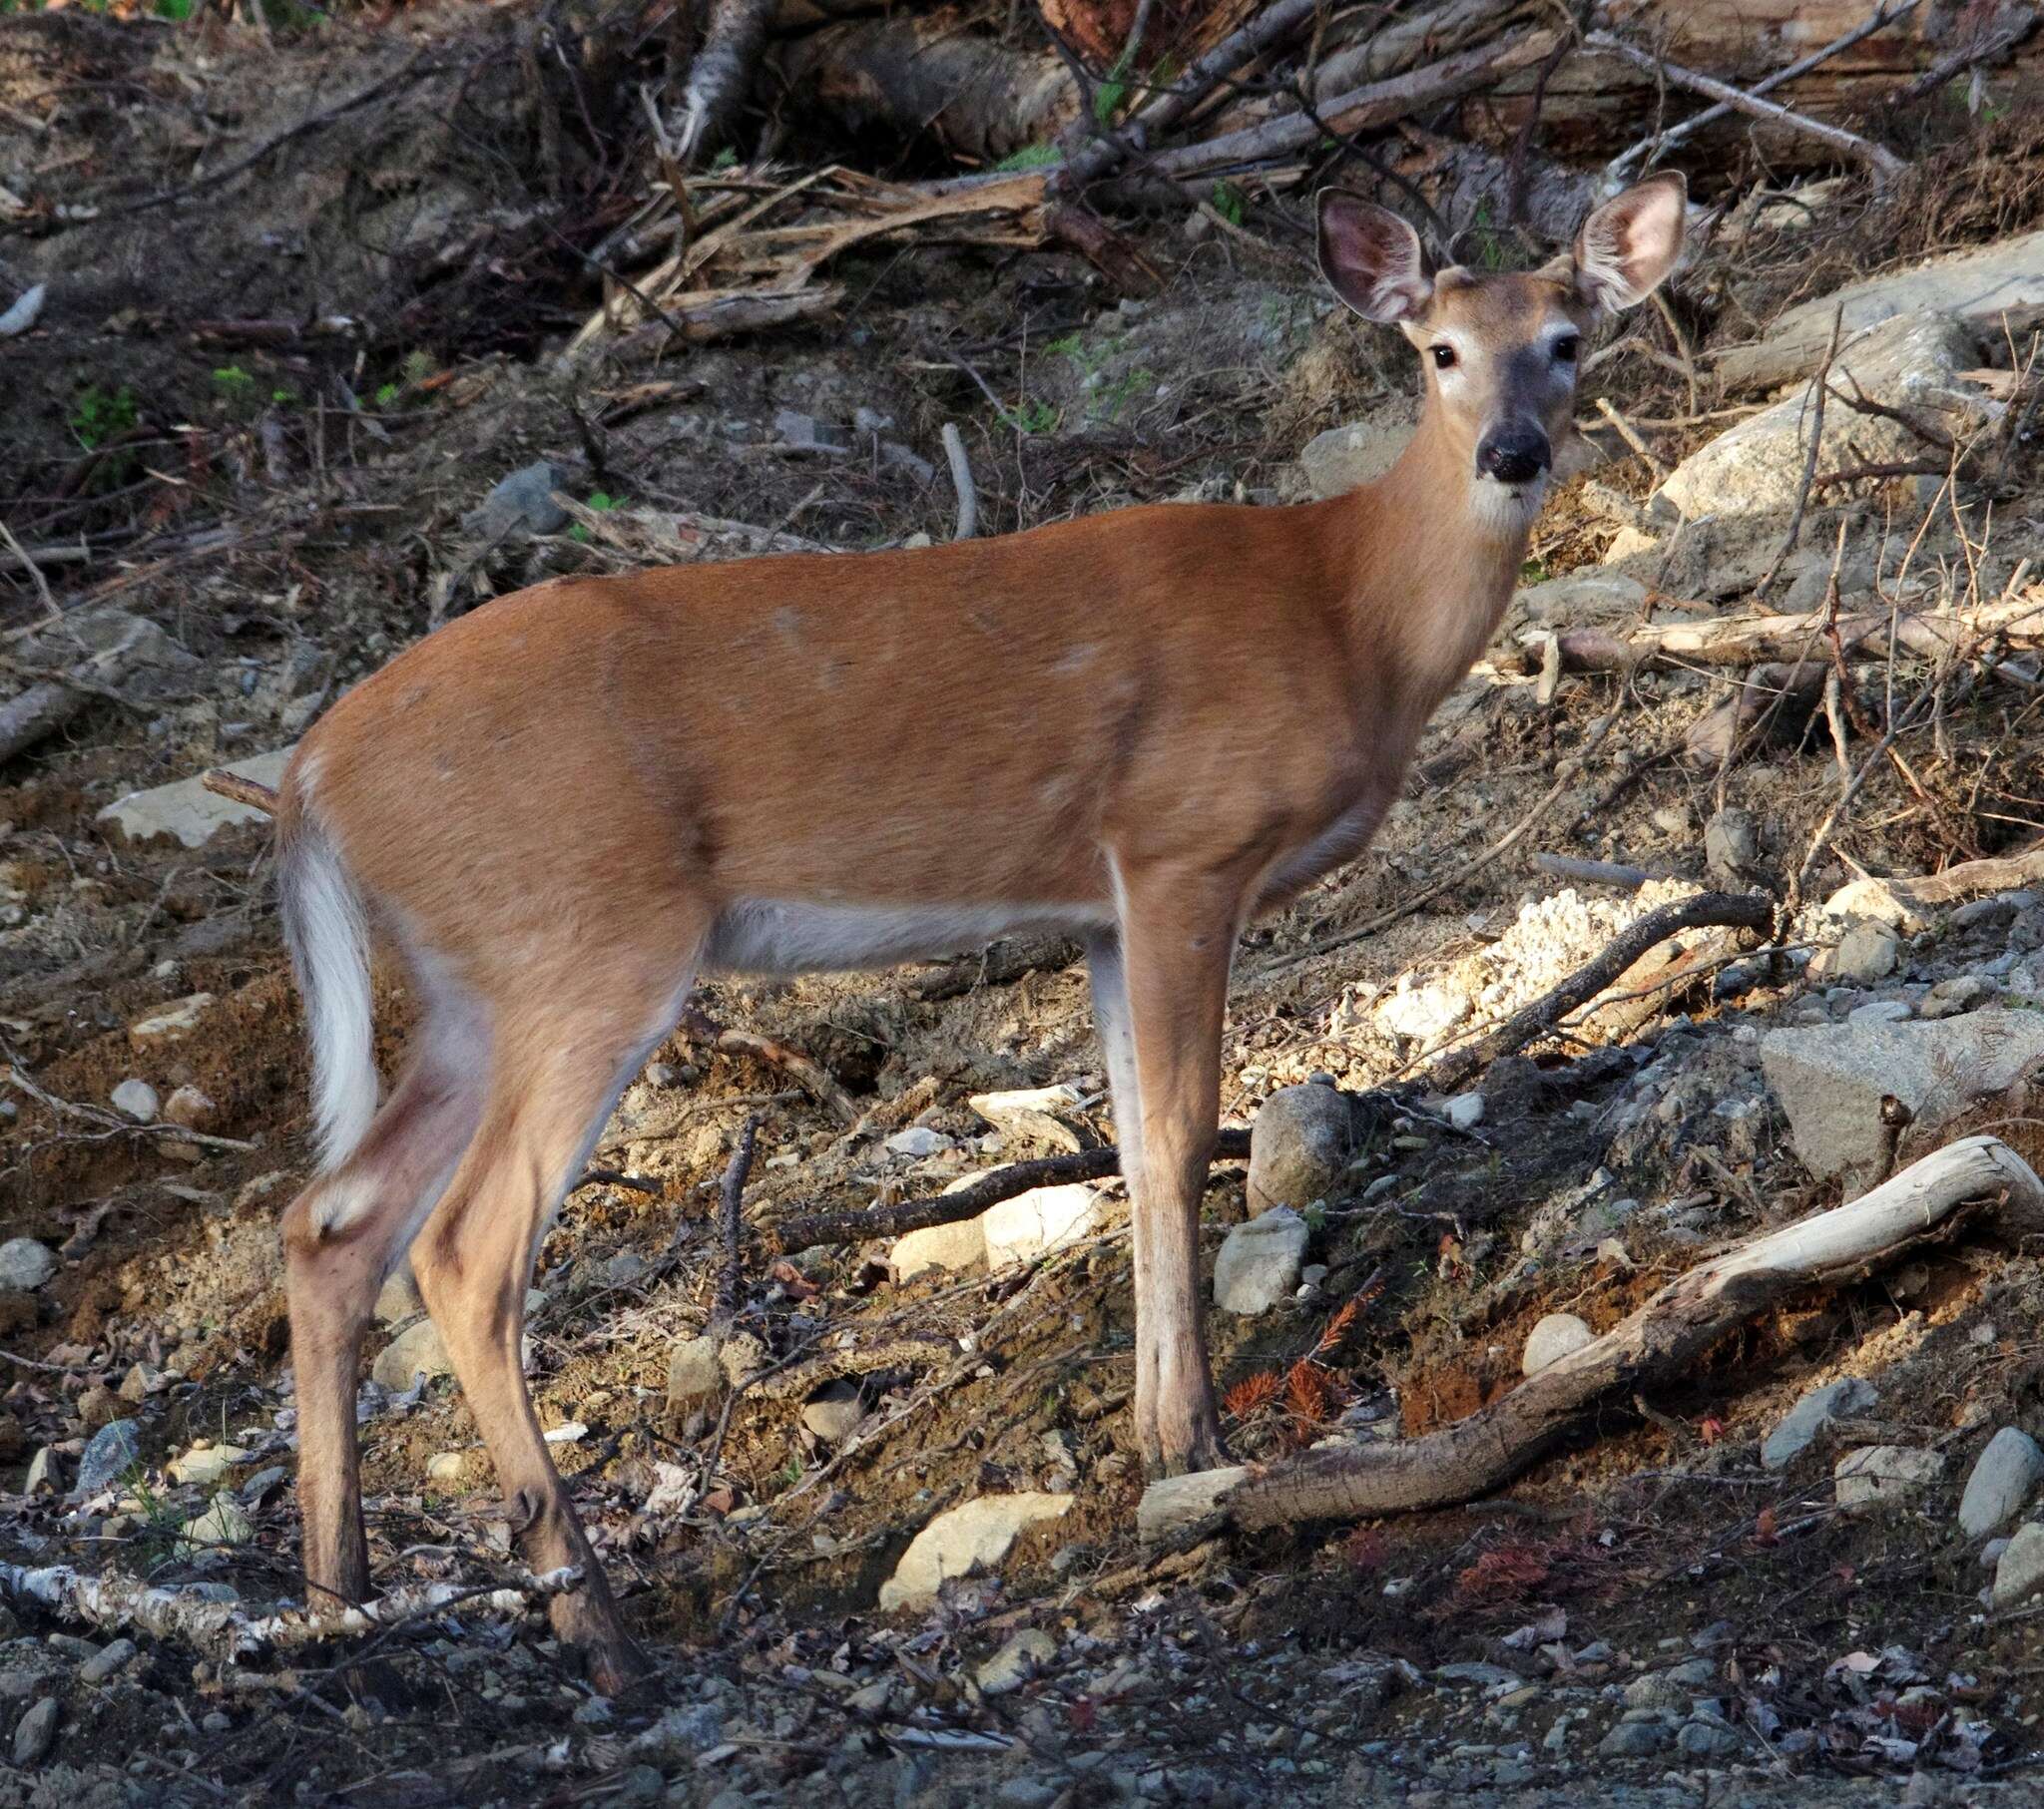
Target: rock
(1830, 1081)
(1731, 844)
(955, 1246)
(1016, 1662)
(1464, 1112)
(1878, 900)
(2020, 1572)
(1583, 599)
(100, 1406)
(108, 1661)
(1033, 1224)
(1979, 286)
(1811, 1417)
(187, 810)
(42, 1472)
(172, 1023)
(109, 1455)
(450, 1466)
(961, 1541)
(693, 1372)
(1260, 1261)
(1992, 912)
(141, 1381)
(1709, 1739)
(834, 1412)
(1424, 1013)
(1868, 951)
(416, 1351)
(1360, 452)
(36, 1732)
(222, 1524)
(1883, 1476)
(1881, 1011)
(1298, 1147)
(624, 1268)
(1634, 1739)
(208, 1464)
(917, 1142)
(399, 1298)
(804, 433)
(1756, 466)
(191, 1107)
(1031, 1793)
(25, 1263)
(524, 501)
(136, 1099)
(1030, 1114)
(1962, 993)
(1555, 1337)
(2003, 1478)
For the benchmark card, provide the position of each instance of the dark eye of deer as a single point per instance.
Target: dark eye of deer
(1565, 350)
(1443, 358)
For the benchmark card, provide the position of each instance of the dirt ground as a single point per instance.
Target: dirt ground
(290, 502)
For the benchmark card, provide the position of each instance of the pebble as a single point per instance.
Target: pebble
(1555, 1337)
(1804, 1423)
(1300, 1145)
(917, 1142)
(2020, 1572)
(105, 1663)
(1464, 1112)
(25, 1263)
(2002, 1480)
(693, 1371)
(834, 1412)
(138, 1099)
(1868, 951)
(1019, 1659)
(36, 1732)
(109, 1455)
(193, 1107)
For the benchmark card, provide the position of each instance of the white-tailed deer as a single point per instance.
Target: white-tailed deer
(1140, 728)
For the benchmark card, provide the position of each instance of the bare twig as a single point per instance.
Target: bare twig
(1817, 391)
(240, 790)
(699, 1027)
(962, 482)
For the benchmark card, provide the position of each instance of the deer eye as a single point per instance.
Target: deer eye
(1565, 349)
(1443, 358)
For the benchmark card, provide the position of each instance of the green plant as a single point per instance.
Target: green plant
(97, 417)
(1228, 203)
(1031, 156)
(600, 502)
(1534, 571)
(726, 158)
(1033, 416)
(387, 394)
(1490, 249)
(1120, 394)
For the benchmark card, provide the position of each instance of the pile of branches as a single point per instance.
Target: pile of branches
(1483, 116)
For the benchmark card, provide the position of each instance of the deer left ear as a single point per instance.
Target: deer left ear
(1630, 243)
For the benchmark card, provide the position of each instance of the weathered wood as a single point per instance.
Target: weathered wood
(1661, 1341)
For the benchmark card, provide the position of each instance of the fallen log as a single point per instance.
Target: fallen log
(1661, 1342)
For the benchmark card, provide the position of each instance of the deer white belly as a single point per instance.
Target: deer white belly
(786, 936)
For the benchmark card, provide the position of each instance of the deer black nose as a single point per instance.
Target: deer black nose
(1513, 455)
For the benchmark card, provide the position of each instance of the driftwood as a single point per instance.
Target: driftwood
(1230, 1145)
(222, 1630)
(1661, 1342)
(1726, 910)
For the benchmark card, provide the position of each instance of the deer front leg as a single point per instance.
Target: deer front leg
(1178, 935)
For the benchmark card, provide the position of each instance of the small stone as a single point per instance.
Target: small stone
(524, 501)
(36, 1732)
(1812, 1416)
(1881, 1011)
(1883, 1476)
(623, 1270)
(1634, 1739)
(1298, 1145)
(42, 1472)
(191, 1107)
(965, 1538)
(693, 1372)
(1868, 951)
(1260, 1263)
(138, 1099)
(25, 1263)
(949, 1247)
(1027, 1793)
(416, 1351)
(834, 1412)
(222, 1524)
(208, 1464)
(1032, 1115)
(107, 1661)
(1464, 1112)
(1731, 844)
(109, 1455)
(2021, 1573)
(172, 1023)
(917, 1142)
(1016, 1662)
(2003, 1478)
(450, 1466)
(1708, 1739)
(1556, 1336)
(1962, 993)
(399, 1298)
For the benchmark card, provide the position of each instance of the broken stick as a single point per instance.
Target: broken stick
(1661, 1341)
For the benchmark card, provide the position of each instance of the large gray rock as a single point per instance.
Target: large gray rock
(1259, 1263)
(1756, 467)
(966, 1538)
(2003, 1478)
(1979, 286)
(188, 813)
(2019, 1572)
(1298, 1147)
(25, 1263)
(1830, 1081)
(1358, 452)
(1812, 1416)
(955, 1246)
(109, 1455)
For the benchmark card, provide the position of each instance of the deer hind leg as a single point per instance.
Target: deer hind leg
(343, 1235)
(554, 1079)
(1178, 934)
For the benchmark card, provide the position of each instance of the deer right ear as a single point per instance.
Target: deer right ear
(1371, 259)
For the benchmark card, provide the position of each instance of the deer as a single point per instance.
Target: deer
(1140, 728)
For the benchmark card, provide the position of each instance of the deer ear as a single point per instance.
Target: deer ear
(1371, 259)
(1631, 242)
